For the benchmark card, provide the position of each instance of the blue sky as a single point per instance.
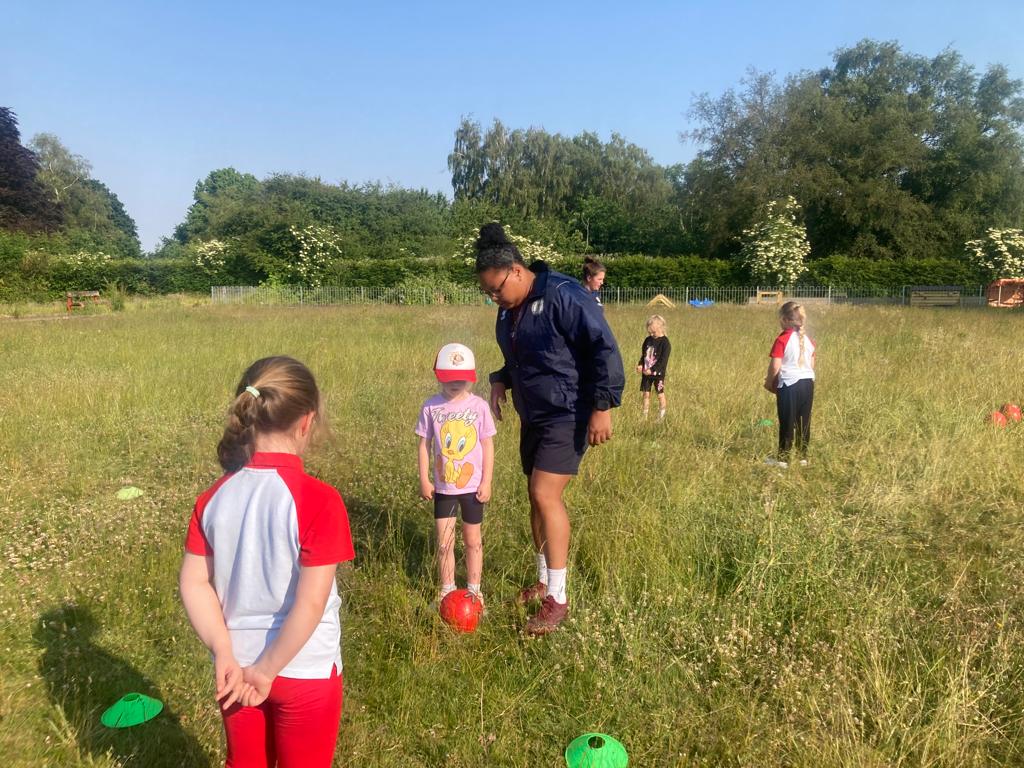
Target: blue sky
(155, 95)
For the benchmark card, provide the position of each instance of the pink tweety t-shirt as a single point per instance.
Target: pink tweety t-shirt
(456, 430)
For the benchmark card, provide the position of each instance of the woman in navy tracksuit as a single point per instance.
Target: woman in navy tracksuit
(565, 372)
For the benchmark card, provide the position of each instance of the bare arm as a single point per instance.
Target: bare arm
(426, 486)
(311, 595)
(483, 493)
(498, 397)
(771, 379)
(195, 582)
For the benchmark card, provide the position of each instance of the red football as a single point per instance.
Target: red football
(1011, 412)
(461, 610)
(997, 419)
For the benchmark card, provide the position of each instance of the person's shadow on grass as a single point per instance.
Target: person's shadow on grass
(375, 532)
(84, 680)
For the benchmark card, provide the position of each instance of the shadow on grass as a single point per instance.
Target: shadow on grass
(84, 680)
(382, 535)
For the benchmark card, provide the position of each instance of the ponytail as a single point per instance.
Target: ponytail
(794, 316)
(273, 394)
(238, 443)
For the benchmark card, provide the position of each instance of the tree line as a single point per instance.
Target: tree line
(890, 158)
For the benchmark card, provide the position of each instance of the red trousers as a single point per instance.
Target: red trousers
(296, 727)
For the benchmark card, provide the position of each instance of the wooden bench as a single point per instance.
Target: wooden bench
(768, 297)
(934, 296)
(1005, 293)
(77, 298)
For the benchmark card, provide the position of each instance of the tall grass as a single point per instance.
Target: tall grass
(862, 611)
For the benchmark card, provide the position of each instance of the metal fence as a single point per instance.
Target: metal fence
(824, 294)
(469, 295)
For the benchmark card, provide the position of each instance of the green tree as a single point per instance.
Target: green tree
(608, 195)
(118, 214)
(60, 170)
(92, 214)
(890, 154)
(220, 187)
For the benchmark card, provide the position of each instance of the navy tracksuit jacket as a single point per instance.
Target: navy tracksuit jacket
(561, 359)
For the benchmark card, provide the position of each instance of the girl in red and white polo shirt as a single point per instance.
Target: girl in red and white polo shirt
(257, 579)
(791, 378)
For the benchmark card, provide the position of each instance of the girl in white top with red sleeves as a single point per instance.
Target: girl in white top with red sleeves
(791, 379)
(257, 580)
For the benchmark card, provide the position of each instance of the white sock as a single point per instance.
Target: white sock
(542, 568)
(446, 589)
(474, 588)
(556, 584)
(661, 414)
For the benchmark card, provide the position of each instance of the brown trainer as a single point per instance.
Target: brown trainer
(551, 614)
(532, 593)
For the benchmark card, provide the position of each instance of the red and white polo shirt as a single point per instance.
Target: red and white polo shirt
(787, 347)
(259, 525)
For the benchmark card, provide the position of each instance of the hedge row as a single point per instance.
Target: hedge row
(41, 278)
(635, 271)
(48, 281)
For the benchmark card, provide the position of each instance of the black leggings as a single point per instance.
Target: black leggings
(794, 406)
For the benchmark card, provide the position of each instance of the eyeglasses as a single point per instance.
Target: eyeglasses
(493, 292)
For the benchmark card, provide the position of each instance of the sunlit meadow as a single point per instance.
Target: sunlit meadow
(862, 611)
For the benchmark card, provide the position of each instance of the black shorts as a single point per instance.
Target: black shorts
(658, 382)
(557, 448)
(447, 506)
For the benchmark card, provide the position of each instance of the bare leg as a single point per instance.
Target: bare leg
(546, 489)
(647, 402)
(446, 550)
(536, 525)
(472, 538)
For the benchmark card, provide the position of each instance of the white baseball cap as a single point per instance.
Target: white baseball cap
(455, 362)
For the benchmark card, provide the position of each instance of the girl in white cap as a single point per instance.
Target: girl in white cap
(456, 429)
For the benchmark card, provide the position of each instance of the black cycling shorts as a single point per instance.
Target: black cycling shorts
(557, 448)
(447, 506)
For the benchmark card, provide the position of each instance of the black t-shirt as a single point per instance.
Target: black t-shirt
(654, 355)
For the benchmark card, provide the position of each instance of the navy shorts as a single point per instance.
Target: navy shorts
(657, 382)
(557, 448)
(447, 506)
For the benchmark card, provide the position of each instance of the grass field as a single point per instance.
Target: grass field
(863, 611)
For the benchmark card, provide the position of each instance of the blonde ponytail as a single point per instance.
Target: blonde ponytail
(273, 394)
(794, 316)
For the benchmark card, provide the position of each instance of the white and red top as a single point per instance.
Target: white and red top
(787, 347)
(260, 525)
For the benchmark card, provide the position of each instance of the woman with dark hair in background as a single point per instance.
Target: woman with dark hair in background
(565, 372)
(593, 276)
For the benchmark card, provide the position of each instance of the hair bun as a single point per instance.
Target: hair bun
(492, 236)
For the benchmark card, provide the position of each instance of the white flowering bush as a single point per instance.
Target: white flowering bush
(1000, 253)
(774, 248)
(318, 247)
(531, 250)
(87, 258)
(210, 255)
